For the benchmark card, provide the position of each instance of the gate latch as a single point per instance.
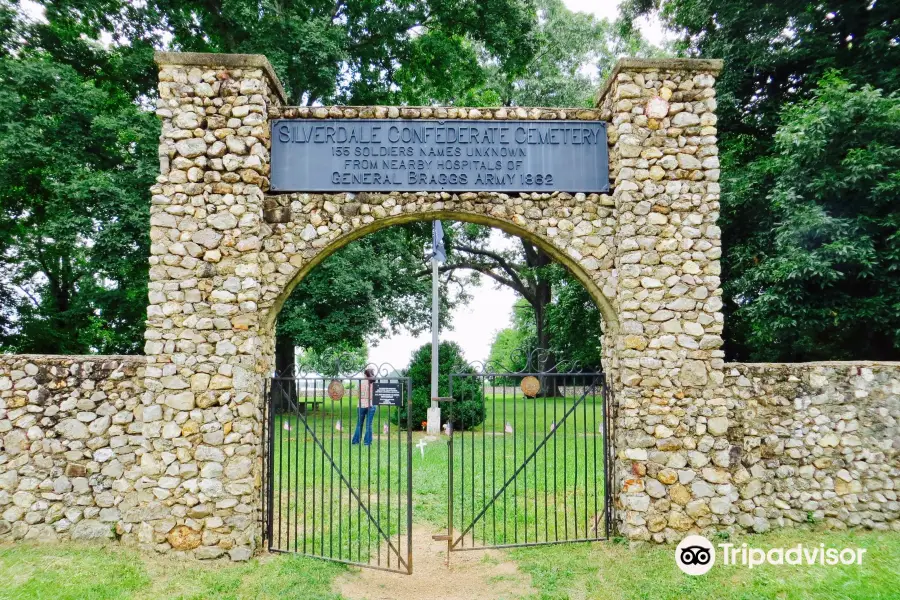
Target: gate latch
(443, 399)
(441, 537)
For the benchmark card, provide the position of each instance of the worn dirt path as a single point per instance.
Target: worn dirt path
(478, 575)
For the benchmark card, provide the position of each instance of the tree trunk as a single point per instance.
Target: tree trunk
(284, 356)
(543, 295)
(284, 387)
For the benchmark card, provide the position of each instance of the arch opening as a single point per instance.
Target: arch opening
(604, 305)
(544, 434)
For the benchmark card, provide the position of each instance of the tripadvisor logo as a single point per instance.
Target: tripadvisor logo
(695, 555)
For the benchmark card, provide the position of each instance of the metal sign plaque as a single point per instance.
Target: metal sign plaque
(387, 394)
(386, 155)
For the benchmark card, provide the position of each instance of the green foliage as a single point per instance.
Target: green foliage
(798, 258)
(340, 359)
(510, 346)
(574, 50)
(467, 409)
(776, 52)
(373, 287)
(819, 276)
(78, 188)
(555, 312)
(366, 290)
(572, 321)
(83, 194)
(360, 52)
(75, 164)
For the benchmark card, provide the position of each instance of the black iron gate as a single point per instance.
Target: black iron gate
(528, 462)
(328, 493)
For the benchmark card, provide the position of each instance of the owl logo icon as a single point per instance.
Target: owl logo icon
(695, 555)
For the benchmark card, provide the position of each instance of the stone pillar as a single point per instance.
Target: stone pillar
(201, 420)
(672, 455)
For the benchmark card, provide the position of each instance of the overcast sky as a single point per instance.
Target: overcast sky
(609, 9)
(476, 323)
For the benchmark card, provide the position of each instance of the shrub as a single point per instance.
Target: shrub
(467, 409)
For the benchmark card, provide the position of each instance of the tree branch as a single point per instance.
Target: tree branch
(28, 295)
(486, 270)
(501, 261)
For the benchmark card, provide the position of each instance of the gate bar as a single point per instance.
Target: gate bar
(522, 466)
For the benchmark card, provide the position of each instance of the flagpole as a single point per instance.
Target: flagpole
(434, 412)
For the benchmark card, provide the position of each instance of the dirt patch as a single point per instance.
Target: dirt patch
(477, 575)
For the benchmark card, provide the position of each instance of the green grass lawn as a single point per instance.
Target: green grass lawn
(536, 464)
(81, 572)
(601, 571)
(611, 571)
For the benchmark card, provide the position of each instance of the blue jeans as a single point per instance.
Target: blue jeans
(364, 414)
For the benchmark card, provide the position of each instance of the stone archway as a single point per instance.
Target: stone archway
(575, 253)
(225, 253)
(303, 234)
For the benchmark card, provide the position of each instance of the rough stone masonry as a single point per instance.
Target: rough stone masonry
(169, 456)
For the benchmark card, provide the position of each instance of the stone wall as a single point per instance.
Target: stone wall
(203, 341)
(667, 357)
(226, 254)
(809, 442)
(71, 441)
(85, 453)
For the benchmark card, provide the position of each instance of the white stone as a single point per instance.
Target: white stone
(656, 108)
(685, 119)
(717, 425)
(223, 220)
(191, 148)
(72, 429)
(688, 161)
(182, 401)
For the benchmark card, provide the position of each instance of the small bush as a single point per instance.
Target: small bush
(467, 409)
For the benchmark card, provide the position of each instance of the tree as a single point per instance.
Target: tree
(360, 52)
(367, 290)
(78, 154)
(337, 361)
(821, 279)
(510, 346)
(75, 164)
(776, 52)
(520, 266)
(775, 55)
(574, 324)
(573, 321)
(574, 50)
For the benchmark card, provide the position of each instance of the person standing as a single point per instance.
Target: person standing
(366, 410)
